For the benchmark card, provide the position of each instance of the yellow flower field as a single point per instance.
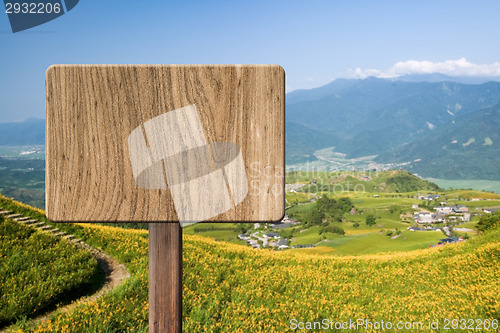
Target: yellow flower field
(232, 288)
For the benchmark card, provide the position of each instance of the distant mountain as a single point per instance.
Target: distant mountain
(396, 110)
(387, 117)
(438, 77)
(331, 88)
(301, 141)
(468, 148)
(28, 132)
(417, 114)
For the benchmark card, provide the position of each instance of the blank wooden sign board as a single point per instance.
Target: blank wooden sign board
(165, 143)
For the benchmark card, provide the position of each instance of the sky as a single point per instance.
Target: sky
(315, 41)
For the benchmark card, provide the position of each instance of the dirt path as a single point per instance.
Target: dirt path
(114, 272)
(114, 275)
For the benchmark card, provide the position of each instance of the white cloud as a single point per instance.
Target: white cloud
(460, 67)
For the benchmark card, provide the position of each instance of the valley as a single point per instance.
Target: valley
(22, 173)
(327, 159)
(393, 198)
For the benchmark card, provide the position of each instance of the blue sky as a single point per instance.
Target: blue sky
(315, 41)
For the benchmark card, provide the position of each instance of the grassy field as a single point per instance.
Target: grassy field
(379, 242)
(367, 241)
(39, 271)
(374, 242)
(218, 231)
(296, 197)
(387, 207)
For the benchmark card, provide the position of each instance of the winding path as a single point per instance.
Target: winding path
(114, 272)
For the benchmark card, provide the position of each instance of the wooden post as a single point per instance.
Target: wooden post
(165, 278)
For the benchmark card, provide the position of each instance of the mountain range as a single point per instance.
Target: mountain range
(444, 129)
(29, 132)
(437, 126)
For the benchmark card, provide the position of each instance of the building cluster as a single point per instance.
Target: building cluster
(443, 214)
(270, 238)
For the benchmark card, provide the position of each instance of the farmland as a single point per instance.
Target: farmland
(389, 196)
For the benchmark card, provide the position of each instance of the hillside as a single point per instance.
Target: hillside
(391, 118)
(370, 181)
(230, 287)
(464, 149)
(28, 132)
(300, 141)
(38, 269)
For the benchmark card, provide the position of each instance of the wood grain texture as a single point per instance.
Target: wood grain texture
(165, 277)
(92, 109)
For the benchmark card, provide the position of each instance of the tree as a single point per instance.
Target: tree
(243, 228)
(370, 220)
(356, 224)
(394, 209)
(488, 221)
(317, 216)
(333, 229)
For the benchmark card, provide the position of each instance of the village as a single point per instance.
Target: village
(432, 214)
(443, 213)
(261, 238)
(443, 217)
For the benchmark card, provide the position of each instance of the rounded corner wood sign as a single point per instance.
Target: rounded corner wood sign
(165, 143)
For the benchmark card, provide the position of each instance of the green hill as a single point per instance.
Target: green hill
(231, 288)
(39, 270)
(366, 181)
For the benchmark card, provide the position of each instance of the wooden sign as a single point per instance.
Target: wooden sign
(165, 143)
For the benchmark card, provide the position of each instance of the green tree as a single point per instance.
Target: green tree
(317, 216)
(488, 221)
(333, 229)
(243, 228)
(370, 220)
